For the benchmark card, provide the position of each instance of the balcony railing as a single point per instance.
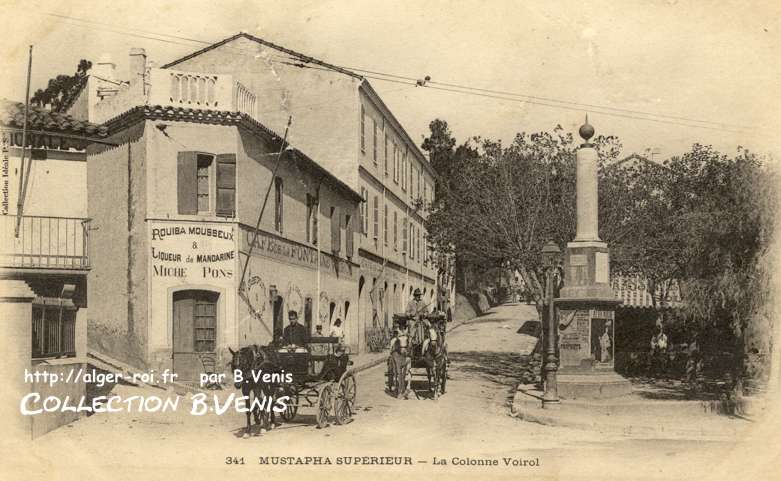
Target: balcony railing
(177, 88)
(199, 90)
(44, 242)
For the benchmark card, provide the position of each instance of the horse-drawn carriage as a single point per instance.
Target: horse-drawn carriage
(321, 379)
(419, 343)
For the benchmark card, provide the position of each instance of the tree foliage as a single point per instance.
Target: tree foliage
(702, 220)
(61, 90)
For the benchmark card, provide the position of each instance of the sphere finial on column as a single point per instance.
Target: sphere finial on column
(586, 132)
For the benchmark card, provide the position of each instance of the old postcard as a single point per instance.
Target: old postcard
(390, 240)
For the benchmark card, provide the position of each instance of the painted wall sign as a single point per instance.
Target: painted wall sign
(290, 252)
(39, 140)
(192, 252)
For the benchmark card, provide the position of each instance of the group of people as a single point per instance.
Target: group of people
(295, 334)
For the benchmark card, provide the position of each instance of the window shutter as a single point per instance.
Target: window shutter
(226, 185)
(336, 231)
(187, 183)
(360, 212)
(349, 233)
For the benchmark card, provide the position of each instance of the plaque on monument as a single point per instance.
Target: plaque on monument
(601, 273)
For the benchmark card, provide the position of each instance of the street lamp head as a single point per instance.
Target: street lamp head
(550, 253)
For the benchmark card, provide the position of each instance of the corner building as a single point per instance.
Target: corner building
(341, 121)
(174, 204)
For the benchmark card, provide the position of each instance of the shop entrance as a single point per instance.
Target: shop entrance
(194, 332)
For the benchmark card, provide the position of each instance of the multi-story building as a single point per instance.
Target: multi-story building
(341, 121)
(175, 200)
(44, 255)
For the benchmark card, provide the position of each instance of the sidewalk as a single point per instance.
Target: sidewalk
(637, 415)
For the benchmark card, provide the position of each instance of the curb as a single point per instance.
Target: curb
(556, 418)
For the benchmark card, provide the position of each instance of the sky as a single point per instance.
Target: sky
(705, 60)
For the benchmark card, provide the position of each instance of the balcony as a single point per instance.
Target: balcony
(51, 243)
(176, 88)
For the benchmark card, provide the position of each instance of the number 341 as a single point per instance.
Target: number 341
(234, 460)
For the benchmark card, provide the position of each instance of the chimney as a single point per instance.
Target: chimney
(104, 67)
(137, 69)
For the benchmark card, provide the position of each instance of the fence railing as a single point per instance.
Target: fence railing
(44, 242)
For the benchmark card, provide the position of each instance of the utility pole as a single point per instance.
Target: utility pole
(22, 179)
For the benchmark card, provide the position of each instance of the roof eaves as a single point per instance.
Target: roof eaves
(298, 55)
(220, 117)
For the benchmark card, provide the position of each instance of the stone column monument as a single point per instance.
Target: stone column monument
(586, 306)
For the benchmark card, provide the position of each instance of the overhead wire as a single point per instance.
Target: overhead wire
(430, 84)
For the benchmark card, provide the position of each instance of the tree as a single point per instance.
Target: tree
(61, 89)
(500, 205)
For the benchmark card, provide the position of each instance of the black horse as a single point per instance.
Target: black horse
(261, 395)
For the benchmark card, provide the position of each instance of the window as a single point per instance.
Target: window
(336, 231)
(278, 200)
(365, 212)
(363, 130)
(404, 168)
(418, 173)
(395, 231)
(376, 219)
(374, 142)
(311, 219)
(54, 328)
(348, 233)
(385, 225)
(200, 176)
(204, 164)
(404, 236)
(412, 236)
(205, 324)
(385, 156)
(395, 163)
(417, 243)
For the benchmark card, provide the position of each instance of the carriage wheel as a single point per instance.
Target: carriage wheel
(324, 403)
(292, 407)
(344, 403)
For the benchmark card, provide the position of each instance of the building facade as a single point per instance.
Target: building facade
(44, 251)
(183, 273)
(341, 121)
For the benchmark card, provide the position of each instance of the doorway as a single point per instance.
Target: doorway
(194, 332)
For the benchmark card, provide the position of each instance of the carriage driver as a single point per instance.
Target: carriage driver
(417, 309)
(294, 333)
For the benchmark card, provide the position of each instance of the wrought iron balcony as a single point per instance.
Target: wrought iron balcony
(57, 243)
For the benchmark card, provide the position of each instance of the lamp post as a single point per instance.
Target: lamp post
(550, 256)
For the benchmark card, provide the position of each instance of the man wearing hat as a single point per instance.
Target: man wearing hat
(416, 306)
(294, 333)
(417, 309)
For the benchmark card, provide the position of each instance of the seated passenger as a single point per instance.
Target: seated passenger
(294, 333)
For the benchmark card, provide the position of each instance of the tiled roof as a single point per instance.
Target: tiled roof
(12, 115)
